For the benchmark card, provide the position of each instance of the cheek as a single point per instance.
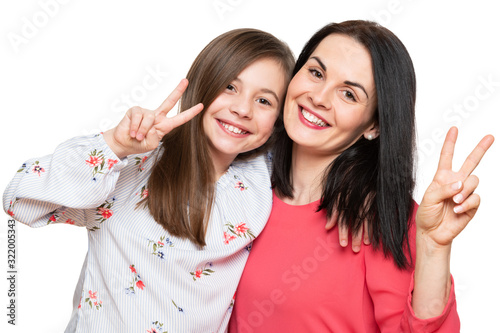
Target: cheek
(205, 121)
(299, 82)
(352, 120)
(266, 125)
(289, 112)
(209, 112)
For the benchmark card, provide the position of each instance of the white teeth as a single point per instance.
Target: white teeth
(233, 129)
(313, 119)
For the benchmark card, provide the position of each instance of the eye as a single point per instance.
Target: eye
(264, 101)
(230, 87)
(314, 72)
(349, 95)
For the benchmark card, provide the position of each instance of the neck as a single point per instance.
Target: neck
(307, 170)
(221, 165)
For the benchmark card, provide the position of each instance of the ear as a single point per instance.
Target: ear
(372, 132)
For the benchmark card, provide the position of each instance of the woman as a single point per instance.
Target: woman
(348, 152)
(168, 224)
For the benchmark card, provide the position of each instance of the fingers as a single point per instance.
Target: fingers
(141, 121)
(469, 206)
(343, 235)
(147, 122)
(135, 115)
(470, 185)
(367, 232)
(168, 124)
(332, 221)
(477, 154)
(443, 192)
(356, 241)
(462, 199)
(172, 99)
(446, 158)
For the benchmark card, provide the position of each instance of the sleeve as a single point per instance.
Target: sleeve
(391, 292)
(59, 188)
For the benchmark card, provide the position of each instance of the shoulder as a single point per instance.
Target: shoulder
(256, 168)
(255, 163)
(250, 176)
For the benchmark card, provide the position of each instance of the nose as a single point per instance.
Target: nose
(321, 96)
(242, 106)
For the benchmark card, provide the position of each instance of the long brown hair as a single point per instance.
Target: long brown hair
(181, 184)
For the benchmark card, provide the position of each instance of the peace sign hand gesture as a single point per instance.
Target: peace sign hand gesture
(449, 203)
(141, 130)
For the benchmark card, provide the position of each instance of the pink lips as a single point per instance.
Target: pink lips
(220, 123)
(307, 122)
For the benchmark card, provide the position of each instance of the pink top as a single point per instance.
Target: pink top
(299, 279)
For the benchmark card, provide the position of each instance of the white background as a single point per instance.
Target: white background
(68, 74)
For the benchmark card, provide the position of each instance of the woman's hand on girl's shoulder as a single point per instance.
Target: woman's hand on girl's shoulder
(141, 130)
(449, 203)
(362, 236)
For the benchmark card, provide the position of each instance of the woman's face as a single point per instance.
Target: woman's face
(242, 117)
(331, 101)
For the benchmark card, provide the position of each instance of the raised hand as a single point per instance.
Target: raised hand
(141, 130)
(449, 203)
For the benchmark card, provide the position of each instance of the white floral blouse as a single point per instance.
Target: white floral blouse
(136, 277)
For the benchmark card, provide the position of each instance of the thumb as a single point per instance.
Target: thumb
(442, 193)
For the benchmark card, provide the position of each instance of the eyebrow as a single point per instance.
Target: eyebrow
(264, 90)
(269, 91)
(350, 83)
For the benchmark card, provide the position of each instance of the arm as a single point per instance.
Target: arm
(83, 172)
(391, 290)
(80, 174)
(447, 207)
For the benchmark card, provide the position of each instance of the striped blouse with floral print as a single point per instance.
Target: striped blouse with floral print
(136, 277)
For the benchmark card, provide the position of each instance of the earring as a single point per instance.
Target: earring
(369, 137)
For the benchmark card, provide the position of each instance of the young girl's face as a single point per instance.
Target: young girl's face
(242, 117)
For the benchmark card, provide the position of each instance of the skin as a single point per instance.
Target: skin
(448, 205)
(141, 130)
(251, 103)
(347, 112)
(347, 109)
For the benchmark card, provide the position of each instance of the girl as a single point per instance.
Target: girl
(348, 152)
(169, 224)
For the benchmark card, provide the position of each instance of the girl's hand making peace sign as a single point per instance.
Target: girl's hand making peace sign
(141, 130)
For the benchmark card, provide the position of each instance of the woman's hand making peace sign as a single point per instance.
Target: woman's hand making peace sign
(449, 203)
(141, 130)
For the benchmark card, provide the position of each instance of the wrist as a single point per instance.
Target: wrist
(428, 246)
(113, 145)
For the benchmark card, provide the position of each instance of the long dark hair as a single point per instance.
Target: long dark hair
(183, 174)
(371, 180)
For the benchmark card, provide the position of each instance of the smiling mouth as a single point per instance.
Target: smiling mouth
(313, 119)
(232, 129)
